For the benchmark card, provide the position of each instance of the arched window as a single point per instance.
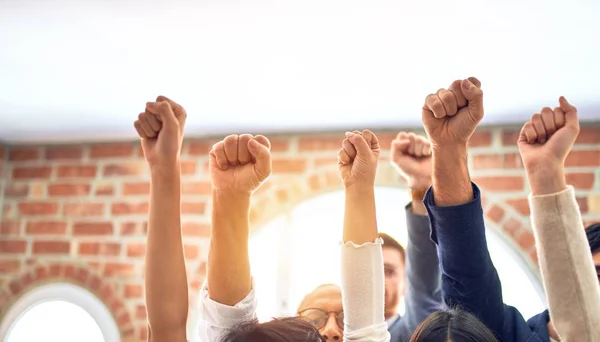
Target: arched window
(59, 312)
(299, 251)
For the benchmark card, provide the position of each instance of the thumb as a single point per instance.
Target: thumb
(164, 111)
(259, 149)
(400, 146)
(360, 144)
(471, 89)
(178, 110)
(571, 117)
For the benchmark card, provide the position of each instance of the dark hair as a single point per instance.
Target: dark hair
(389, 241)
(289, 329)
(593, 236)
(452, 325)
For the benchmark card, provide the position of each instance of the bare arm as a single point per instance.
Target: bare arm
(229, 279)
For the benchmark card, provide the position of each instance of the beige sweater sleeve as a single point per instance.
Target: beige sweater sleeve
(567, 267)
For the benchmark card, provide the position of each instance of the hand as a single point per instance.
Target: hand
(240, 164)
(161, 129)
(357, 159)
(544, 143)
(411, 156)
(451, 116)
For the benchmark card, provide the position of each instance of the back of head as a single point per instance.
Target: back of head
(593, 236)
(290, 329)
(452, 325)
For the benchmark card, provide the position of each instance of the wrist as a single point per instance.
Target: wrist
(158, 172)
(547, 179)
(360, 190)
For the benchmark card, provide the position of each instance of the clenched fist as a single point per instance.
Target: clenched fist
(161, 129)
(546, 140)
(357, 159)
(240, 164)
(451, 115)
(411, 156)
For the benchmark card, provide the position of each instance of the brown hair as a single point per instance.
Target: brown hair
(453, 325)
(289, 329)
(389, 241)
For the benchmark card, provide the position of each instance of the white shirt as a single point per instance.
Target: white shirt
(362, 296)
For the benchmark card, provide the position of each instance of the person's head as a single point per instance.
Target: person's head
(593, 236)
(452, 325)
(395, 273)
(323, 309)
(290, 329)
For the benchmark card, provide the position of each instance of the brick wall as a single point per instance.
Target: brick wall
(77, 213)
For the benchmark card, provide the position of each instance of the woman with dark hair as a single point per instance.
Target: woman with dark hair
(452, 325)
(238, 166)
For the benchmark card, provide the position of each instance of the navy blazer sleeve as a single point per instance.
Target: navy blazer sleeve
(469, 278)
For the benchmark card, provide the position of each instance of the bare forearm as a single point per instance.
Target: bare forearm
(451, 180)
(417, 206)
(360, 222)
(546, 179)
(229, 279)
(165, 278)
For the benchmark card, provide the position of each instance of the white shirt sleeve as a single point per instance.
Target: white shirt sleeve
(363, 292)
(216, 318)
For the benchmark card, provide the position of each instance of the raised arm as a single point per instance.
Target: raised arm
(411, 156)
(161, 130)
(469, 279)
(566, 263)
(362, 260)
(238, 165)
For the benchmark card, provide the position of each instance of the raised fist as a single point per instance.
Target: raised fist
(451, 115)
(240, 164)
(411, 156)
(161, 129)
(357, 159)
(545, 140)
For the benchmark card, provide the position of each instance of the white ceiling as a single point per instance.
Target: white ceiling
(84, 69)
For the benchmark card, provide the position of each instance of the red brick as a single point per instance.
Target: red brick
(589, 135)
(16, 190)
(92, 228)
(95, 283)
(124, 169)
(51, 247)
(385, 140)
(66, 189)
(297, 165)
(54, 270)
(82, 274)
(129, 208)
(140, 312)
(583, 204)
(143, 333)
(581, 181)
(99, 248)
(195, 230)
(46, 228)
(191, 252)
(38, 208)
(105, 190)
(32, 172)
(497, 161)
(510, 137)
(15, 287)
(112, 150)
(196, 188)
(64, 153)
(132, 228)
(76, 171)
(326, 161)
(279, 144)
(106, 293)
(534, 257)
(9, 266)
(133, 291)
(10, 228)
(24, 153)
(481, 139)
(520, 204)
(495, 213)
(41, 273)
(583, 158)
(136, 250)
(188, 167)
(118, 269)
(69, 271)
(139, 188)
(526, 240)
(83, 209)
(198, 147)
(320, 143)
(2, 151)
(500, 183)
(194, 208)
